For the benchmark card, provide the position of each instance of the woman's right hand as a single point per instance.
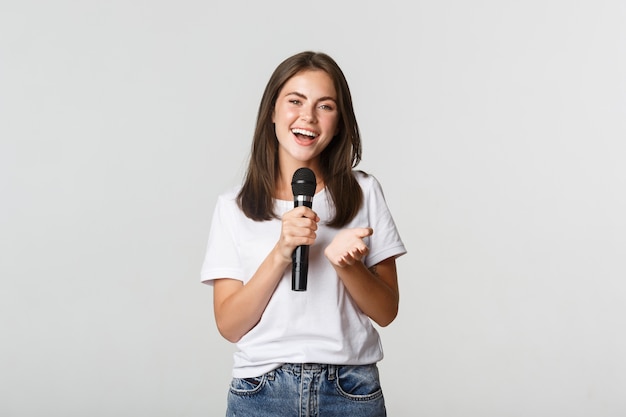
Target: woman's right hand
(238, 308)
(299, 227)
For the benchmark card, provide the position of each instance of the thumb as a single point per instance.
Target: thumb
(365, 231)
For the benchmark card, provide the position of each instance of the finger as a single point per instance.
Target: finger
(358, 253)
(299, 222)
(365, 232)
(305, 223)
(301, 211)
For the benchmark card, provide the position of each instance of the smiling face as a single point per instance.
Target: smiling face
(306, 119)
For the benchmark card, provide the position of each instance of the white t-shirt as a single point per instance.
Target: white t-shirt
(321, 324)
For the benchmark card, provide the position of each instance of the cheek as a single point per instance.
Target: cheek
(283, 116)
(333, 126)
(280, 115)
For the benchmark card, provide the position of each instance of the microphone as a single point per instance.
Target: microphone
(303, 187)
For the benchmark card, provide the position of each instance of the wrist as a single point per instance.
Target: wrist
(279, 258)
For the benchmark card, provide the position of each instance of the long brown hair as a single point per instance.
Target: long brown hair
(341, 155)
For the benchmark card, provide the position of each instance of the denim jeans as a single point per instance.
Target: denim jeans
(309, 390)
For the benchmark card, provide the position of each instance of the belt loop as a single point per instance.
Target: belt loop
(332, 372)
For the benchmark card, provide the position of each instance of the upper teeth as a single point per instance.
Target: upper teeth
(304, 132)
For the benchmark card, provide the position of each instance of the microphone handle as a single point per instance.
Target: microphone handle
(300, 268)
(300, 257)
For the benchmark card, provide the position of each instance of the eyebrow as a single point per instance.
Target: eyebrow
(320, 99)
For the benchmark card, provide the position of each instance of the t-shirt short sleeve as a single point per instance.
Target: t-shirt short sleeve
(222, 257)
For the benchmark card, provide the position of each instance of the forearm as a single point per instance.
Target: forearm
(374, 290)
(238, 307)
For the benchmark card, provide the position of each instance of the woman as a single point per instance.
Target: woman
(312, 352)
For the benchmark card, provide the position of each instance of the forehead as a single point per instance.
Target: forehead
(310, 83)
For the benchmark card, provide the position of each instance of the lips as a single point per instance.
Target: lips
(305, 134)
(304, 137)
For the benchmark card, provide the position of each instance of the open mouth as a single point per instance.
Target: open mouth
(304, 134)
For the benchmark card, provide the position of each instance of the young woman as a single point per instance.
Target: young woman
(314, 352)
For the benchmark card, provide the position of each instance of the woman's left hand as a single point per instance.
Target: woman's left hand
(348, 246)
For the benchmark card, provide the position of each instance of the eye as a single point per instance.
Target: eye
(294, 101)
(327, 107)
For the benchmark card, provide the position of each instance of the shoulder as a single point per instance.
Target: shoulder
(229, 196)
(367, 181)
(226, 204)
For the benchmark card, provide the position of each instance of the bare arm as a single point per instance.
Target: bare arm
(238, 307)
(374, 290)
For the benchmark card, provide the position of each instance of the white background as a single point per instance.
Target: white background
(496, 128)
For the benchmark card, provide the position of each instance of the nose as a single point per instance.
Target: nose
(307, 113)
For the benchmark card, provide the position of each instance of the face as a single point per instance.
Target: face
(305, 118)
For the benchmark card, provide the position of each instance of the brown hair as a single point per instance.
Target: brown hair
(341, 155)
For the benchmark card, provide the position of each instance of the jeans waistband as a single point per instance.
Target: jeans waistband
(300, 368)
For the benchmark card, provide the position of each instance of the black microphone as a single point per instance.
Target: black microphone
(303, 187)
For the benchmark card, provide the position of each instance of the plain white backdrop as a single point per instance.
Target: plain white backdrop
(496, 128)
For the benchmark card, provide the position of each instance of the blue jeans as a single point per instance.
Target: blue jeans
(309, 390)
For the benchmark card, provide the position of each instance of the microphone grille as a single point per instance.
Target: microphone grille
(303, 182)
